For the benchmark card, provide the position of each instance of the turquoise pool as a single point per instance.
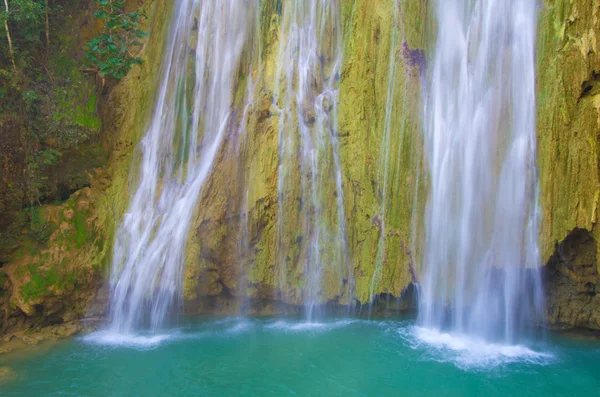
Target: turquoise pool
(289, 357)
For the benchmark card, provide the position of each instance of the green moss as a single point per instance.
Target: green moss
(39, 284)
(81, 233)
(42, 281)
(78, 233)
(77, 106)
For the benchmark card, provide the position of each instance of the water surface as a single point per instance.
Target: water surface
(281, 357)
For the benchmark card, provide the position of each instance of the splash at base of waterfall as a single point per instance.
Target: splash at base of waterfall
(141, 341)
(470, 352)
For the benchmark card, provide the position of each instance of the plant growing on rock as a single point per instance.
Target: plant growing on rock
(109, 53)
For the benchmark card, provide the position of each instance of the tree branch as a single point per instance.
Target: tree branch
(47, 29)
(11, 51)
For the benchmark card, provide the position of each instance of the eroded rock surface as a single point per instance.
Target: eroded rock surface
(572, 283)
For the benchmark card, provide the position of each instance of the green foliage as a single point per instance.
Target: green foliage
(27, 24)
(2, 282)
(109, 52)
(8, 88)
(35, 165)
(40, 159)
(49, 157)
(29, 15)
(47, 96)
(32, 101)
(40, 227)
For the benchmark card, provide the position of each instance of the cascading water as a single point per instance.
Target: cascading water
(481, 260)
(191, 117)
(306, 97)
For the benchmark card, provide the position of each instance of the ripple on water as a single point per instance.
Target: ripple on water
(468, 352)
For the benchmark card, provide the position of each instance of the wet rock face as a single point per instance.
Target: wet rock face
(568, 131)
(53, 282)
(572, 283)
(568, 119)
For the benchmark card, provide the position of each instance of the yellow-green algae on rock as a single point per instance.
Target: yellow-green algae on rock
(214, 263)
(568, 130)
(365, 85)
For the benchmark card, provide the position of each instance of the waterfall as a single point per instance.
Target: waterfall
(309, 175)
(481, 258)
(191, 117)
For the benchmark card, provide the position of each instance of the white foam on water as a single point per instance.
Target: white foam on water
(287, 326)
(470, 353)
(240, 327)
(141, 341)
(132, 341)
(224, 321)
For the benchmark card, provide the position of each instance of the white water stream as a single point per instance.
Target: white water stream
(481, 259)
(306, 98)
(192, 115)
